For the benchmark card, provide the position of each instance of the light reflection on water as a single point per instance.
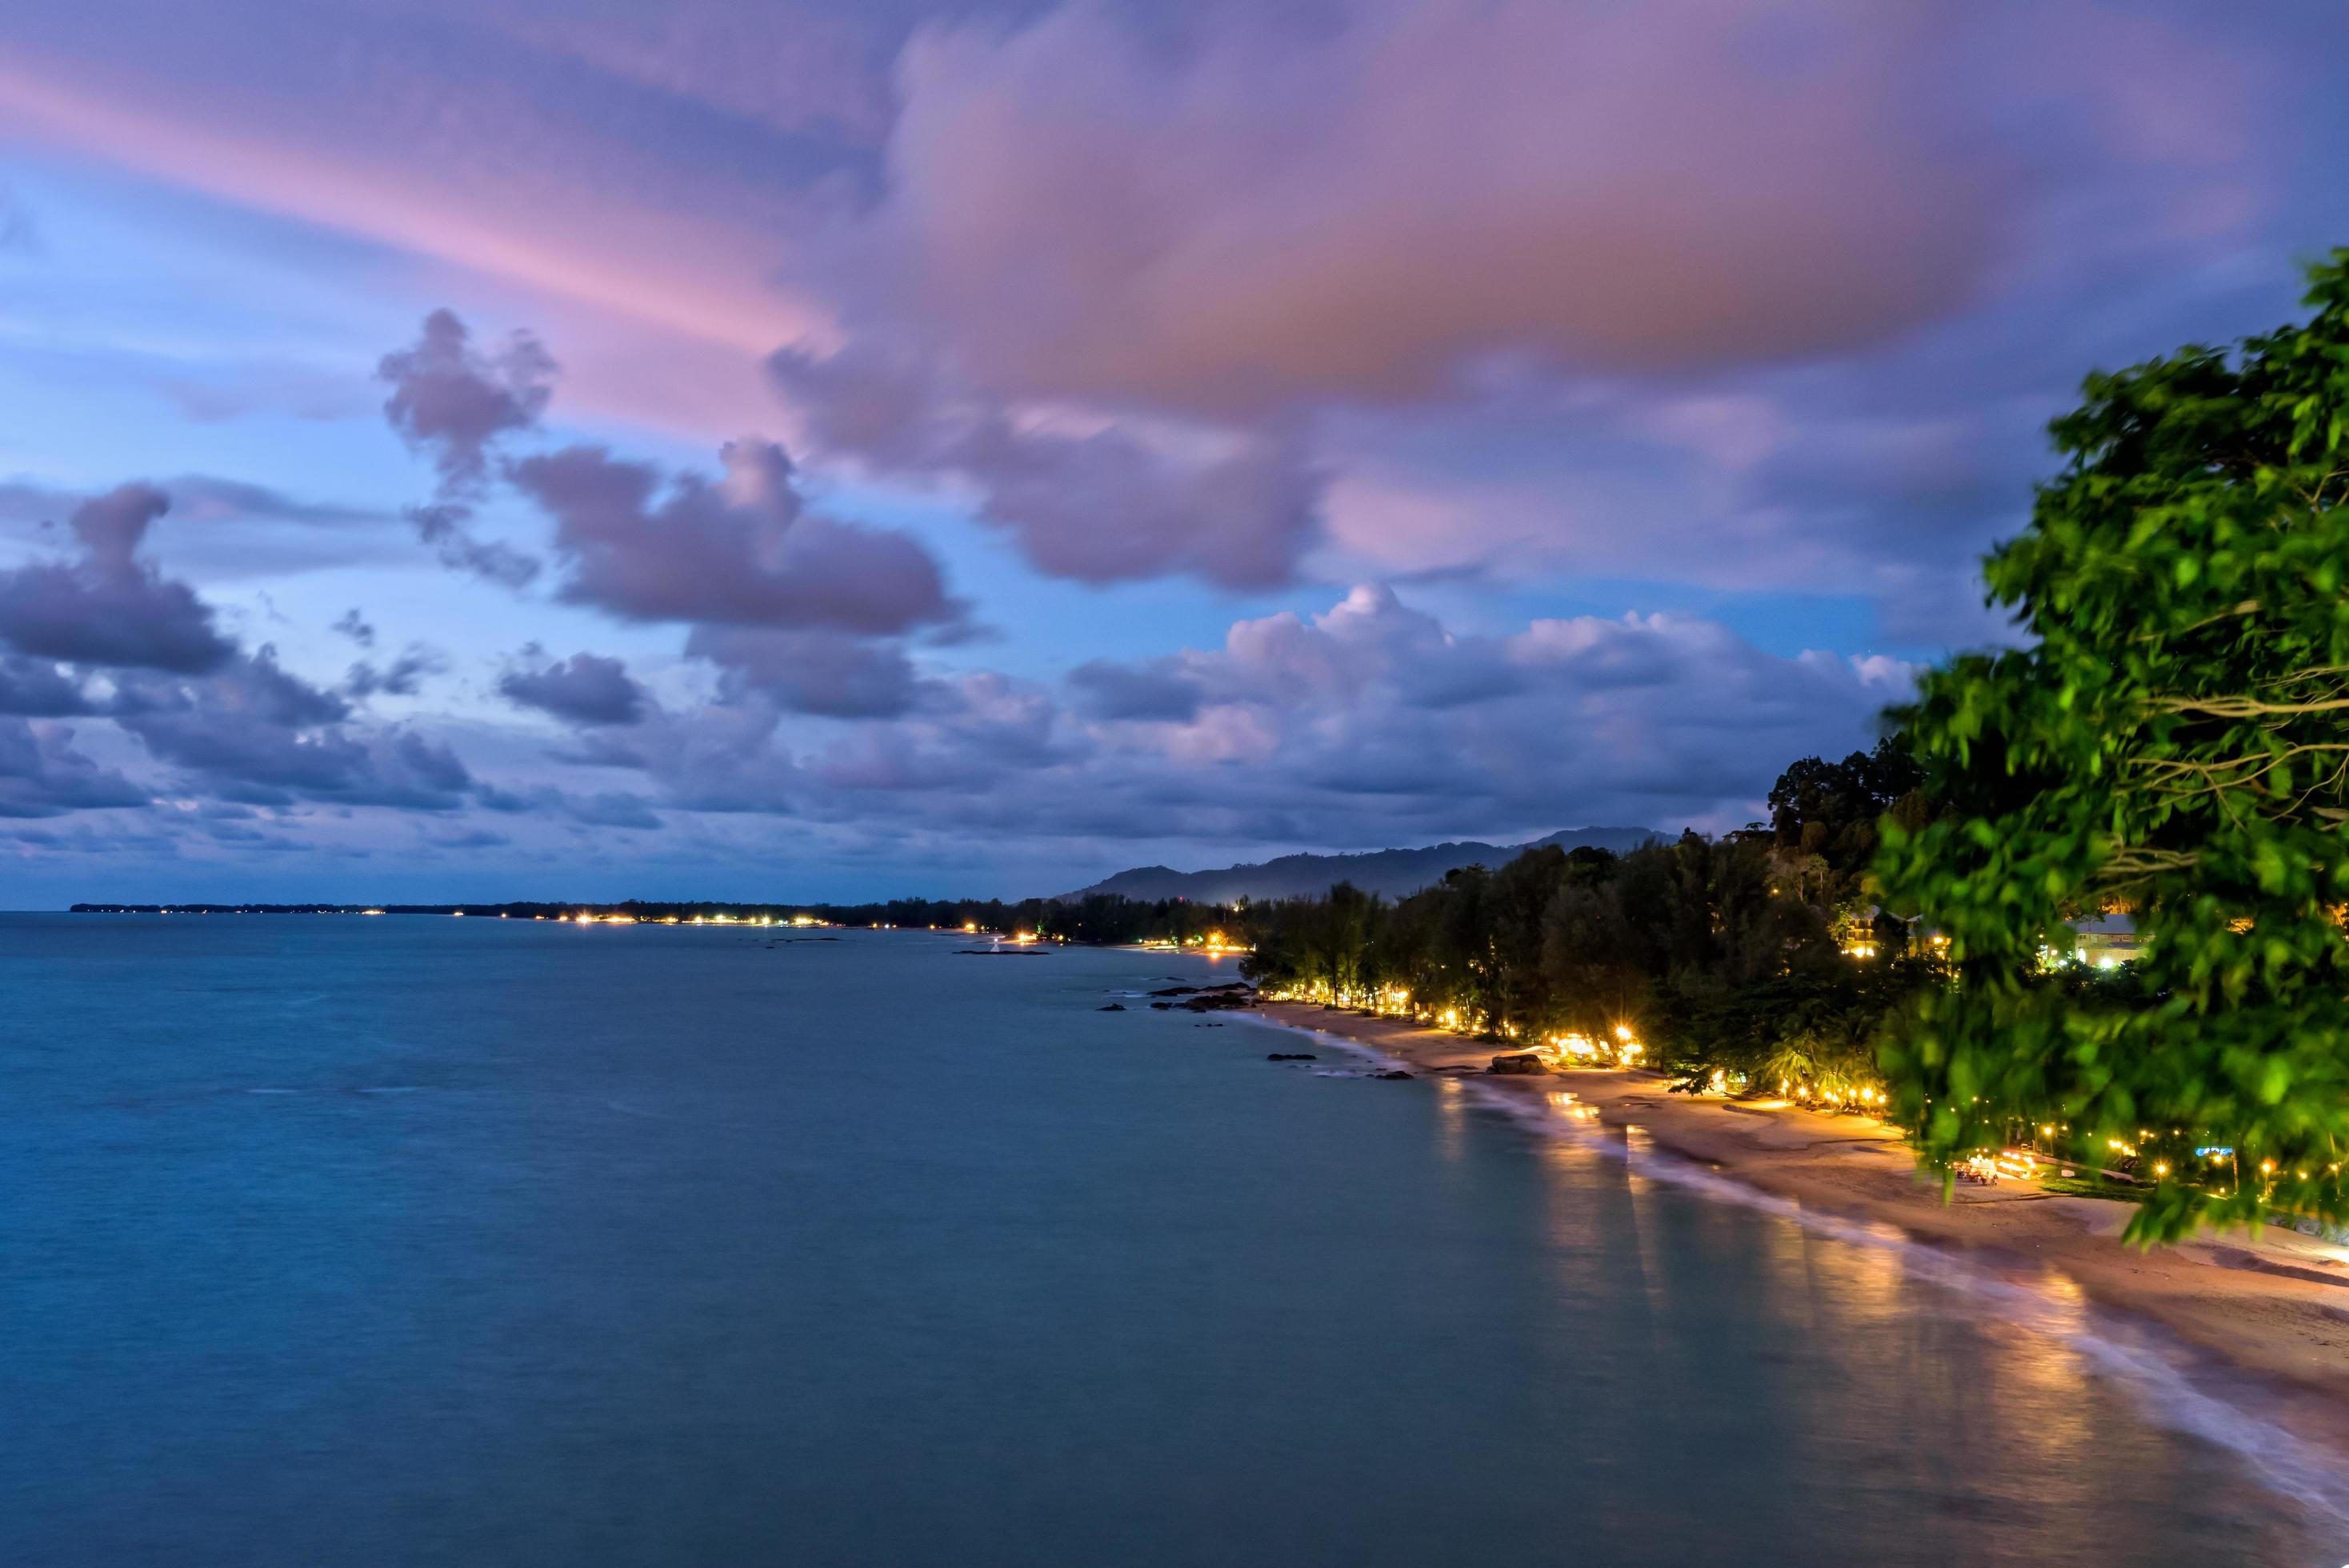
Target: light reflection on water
(1912, 1357)
(2035, 1403)
(1452, 1120)
(681, 1249)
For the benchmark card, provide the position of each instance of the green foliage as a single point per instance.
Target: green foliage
(2172, 742)
(1812, 1029)
(1823, 815)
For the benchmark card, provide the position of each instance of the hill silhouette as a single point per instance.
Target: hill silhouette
(1394, 872)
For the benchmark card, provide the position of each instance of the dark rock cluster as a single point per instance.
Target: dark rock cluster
(1208, 998)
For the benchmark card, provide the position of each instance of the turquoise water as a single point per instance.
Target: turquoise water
(434, 1241)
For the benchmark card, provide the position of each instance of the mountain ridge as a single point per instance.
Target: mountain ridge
(1392, 873)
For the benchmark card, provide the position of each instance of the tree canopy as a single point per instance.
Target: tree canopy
(1830, 811)
(2171, 743)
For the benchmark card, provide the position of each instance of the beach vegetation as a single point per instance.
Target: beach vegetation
(1704, 957)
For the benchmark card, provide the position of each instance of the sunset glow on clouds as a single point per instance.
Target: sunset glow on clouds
(850, 449)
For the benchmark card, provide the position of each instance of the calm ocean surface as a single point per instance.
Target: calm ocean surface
(426, 1240)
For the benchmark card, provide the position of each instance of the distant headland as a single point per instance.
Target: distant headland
(1147, 903)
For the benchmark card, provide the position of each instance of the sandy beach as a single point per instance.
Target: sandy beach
(2276, 1307)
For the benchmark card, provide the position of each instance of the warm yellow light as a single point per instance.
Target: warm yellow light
(970, 925)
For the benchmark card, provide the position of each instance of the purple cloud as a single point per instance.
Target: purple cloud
(404, 676)
(597, 809)
(1155, 690)
(582, 689)
(257, 733)
(1357, 208)
(1101, 504)
(813, 671)
(1375, 723)
(41, 774)
(39, 688)
(743, 551)
(452, 402)
(447, 527)
(108, 608)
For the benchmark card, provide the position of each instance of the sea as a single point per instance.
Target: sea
(420, 1240)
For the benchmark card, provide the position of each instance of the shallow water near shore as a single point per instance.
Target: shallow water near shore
(432, 1241)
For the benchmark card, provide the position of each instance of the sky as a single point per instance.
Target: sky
(843, 449)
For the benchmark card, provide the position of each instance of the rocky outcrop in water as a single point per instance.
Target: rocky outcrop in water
(1212, 999)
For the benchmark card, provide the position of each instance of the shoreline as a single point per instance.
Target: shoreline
(2270, 1309)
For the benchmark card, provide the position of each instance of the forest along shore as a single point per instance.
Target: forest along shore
(2216, 1294)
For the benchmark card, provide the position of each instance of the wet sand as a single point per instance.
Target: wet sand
(2276, 1307)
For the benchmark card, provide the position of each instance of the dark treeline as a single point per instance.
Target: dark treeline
(1758, 954)
(1100, 918)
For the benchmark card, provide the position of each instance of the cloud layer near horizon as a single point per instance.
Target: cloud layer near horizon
(1367, 722)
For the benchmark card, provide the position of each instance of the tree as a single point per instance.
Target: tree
(1807, 1030)
(1826, 813)
(1591, 961)
(1520, 892)
(2172, 742)
(1342, 932)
